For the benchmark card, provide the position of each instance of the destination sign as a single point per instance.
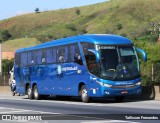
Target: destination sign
(107, 47)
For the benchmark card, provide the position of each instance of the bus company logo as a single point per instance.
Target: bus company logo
(69, 68)
(123, 83)
(61, 69)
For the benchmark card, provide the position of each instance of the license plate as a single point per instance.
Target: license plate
(124, 92)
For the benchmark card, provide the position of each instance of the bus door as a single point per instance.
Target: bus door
(92, 67)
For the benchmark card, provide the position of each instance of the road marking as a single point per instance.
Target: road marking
(96, 104)
(14, 110)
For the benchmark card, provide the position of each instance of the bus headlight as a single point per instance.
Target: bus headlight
(138, 83)
(106, 85)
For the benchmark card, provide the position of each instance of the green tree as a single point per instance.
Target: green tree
(4, 35)
(37, 10)
(119, 26)
(78, 12)
(7, 65)
(1, 40)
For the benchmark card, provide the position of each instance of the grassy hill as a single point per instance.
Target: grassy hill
(130, 18)
(12, 45)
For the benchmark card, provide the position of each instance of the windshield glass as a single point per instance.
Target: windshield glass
(118, 62)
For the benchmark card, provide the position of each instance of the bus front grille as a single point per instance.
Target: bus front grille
(124, 86)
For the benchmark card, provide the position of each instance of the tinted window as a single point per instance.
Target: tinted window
(41, 56)
(66, 53)
(54, 54)
(51, 55)
(86, 46)
(90, 58)
(88, 55)
(61, 54)
(31, 57)
(18, 59)
(24, 59)
(74, 54)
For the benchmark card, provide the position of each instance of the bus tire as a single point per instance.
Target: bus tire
(119, 98)
(29, 93)
(84, 94)
(36, 94)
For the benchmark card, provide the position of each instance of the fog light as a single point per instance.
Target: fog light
(138, 83)
(106, 92)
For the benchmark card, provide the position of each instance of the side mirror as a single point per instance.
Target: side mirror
(96, 54)
(144, 55)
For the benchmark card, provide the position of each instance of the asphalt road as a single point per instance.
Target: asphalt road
(73, 109)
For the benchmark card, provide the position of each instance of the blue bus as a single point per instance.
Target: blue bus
(89, 66)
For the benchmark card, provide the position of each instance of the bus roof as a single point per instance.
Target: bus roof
(104, 39)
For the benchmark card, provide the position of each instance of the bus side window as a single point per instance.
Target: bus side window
(54, 55)
(75, 54)
(87, 54)
(71, 52)
(24, 59)
(90, 58)
(77, 57)
(29, 58)
(50, 55)
(18, 59)
(41, 56)
(60, 54)
(66, 54)
(33, 57)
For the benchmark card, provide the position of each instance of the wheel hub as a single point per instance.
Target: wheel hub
(84, 94)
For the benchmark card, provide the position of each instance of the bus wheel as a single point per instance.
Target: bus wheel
(30, 93)
(84, 94)
(36, 93)
(119, 98)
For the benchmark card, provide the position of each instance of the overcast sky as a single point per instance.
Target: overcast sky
(10, 8)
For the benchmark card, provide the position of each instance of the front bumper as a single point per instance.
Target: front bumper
(111, 92)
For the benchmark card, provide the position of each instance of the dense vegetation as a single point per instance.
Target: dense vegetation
(130, 18)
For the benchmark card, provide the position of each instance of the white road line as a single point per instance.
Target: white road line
(10, 112)
(7, 108)
(24, 110)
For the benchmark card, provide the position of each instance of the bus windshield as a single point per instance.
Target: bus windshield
(118, 62)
